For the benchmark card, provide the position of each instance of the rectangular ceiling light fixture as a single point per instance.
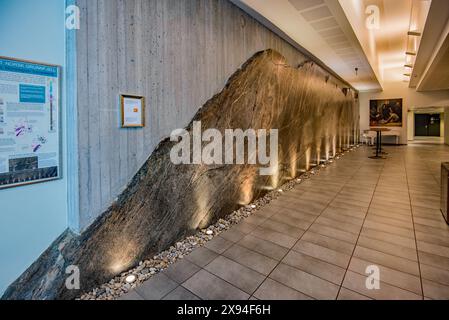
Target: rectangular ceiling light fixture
(414, 33)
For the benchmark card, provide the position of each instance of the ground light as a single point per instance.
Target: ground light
(131, 279)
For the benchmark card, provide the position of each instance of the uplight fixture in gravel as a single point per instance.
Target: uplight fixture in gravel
(131, 279)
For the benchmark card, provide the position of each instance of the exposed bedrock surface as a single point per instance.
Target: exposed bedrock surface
(166, 202)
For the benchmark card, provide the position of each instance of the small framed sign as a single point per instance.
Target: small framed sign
(133, 111)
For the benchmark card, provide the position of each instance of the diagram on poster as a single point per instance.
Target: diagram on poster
(29, 123)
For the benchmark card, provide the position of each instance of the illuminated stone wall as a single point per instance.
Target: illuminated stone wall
(166, 202)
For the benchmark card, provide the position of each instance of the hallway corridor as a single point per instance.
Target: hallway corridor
(316, 241)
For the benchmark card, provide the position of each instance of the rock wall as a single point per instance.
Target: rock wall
(165, 202)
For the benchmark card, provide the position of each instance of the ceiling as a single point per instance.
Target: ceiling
(386, 44)
(335, 32)
(431, 68)
(321, 27)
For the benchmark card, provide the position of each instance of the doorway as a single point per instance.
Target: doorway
(427, 125)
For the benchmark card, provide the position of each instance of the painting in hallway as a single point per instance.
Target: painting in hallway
(386, 113)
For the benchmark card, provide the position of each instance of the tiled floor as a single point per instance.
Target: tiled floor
(316, 241)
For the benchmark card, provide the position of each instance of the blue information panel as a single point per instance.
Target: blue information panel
(30, 144)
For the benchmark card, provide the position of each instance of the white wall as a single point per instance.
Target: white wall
(412, 99)
(31, 217)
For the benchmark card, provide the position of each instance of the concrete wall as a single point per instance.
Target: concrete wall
(31, 217)
(412, 99)
(178, 54)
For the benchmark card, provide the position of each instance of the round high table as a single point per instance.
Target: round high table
(379, 142)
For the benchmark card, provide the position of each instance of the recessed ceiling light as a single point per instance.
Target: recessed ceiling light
(414, 33)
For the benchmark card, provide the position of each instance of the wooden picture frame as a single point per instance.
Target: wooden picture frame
(386, 113)
(132, 108)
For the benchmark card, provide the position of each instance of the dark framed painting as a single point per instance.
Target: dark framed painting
(386, 113)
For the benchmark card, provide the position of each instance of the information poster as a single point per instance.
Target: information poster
(29, 123)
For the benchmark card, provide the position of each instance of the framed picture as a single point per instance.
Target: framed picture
(132, 111)
(386, 113)
(31, 135)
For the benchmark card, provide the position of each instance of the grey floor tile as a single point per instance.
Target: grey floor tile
(131, 296)
(344, 218)
(334, 233)
(316, 267)
(322, 253)
(433, 249)
(251, 259)
(218, 245)
(181, 270)
(283, 228)
(434, 274)
(435, 290)
(327, 242)
(388, 247)
(345, 212)
(302, 216)
(206, 286)
(234, 234)
(157, 287)
(245, 227)
(348, 295)
(272, 290)
(255, 220)
(407, 233)
(304, 282)
(387, 260)
(356, 282)
(202, 256)
(388, 214)
(393, 277)
(264, 247)
(390, 238)
(292, 221)
(344, 226)
(275, 237)
(390, 221)
(236, 274)
(433, 260)
(181, 294)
